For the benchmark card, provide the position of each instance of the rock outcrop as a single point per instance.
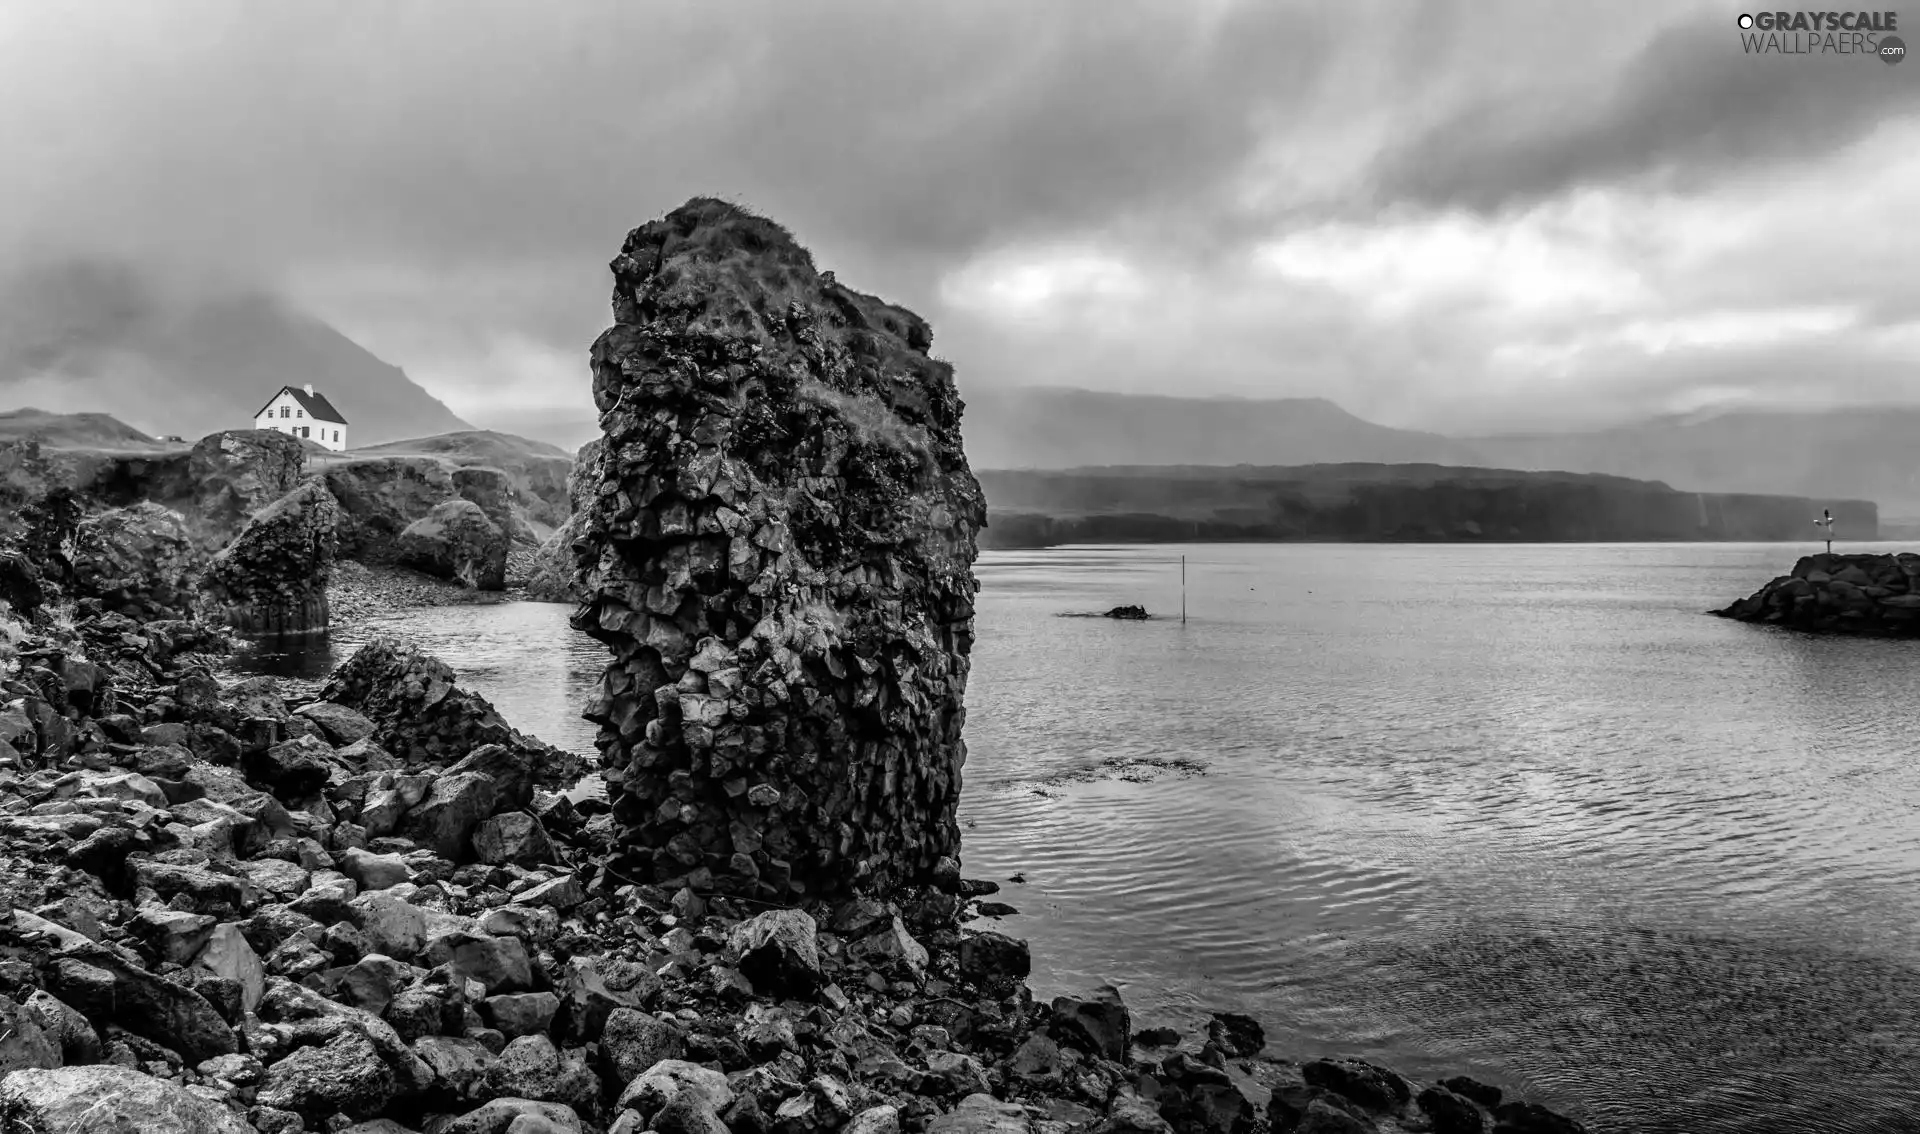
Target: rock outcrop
(457, 541)
(380, 497)
(139, 561)
(493, 492)
(779, 555)
(554, 578)
(1843, 594)
(419, 713)
(272, 579)
(237, 472)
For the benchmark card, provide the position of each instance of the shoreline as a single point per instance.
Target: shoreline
(893, 1013)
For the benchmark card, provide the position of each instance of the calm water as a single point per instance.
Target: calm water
(1520, 811)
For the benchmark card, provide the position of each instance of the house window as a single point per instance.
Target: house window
(299, 413)
(306, 431)
(285, 412)
(336, 435)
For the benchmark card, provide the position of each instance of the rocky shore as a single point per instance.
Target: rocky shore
(1873, 595)
(377, 908)
(378, 911)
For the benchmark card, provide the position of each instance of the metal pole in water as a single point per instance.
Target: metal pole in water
(1183, 590)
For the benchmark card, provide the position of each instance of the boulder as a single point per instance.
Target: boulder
(139, 561)
(517, 1116)
(491, 490)
(80, 1100)
(345, 1075)
(780, 543)
(635, 1041)
(379, 498)
(514, 837)
(457, 541)
(237, 472)
(1098, 1024)
(982, 1114)
(343, 726)
(424, 719)
(109, 989)
(779, 952)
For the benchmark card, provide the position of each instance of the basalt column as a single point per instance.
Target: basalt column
(779, 553)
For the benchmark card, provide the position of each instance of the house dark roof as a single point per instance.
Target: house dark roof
(316, 405)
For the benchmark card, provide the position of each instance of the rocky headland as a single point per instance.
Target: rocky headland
(1874, 595)
(1409, 503)
(381, 909)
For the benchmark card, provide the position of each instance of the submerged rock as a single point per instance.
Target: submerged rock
(1131, 613)
(779, 553)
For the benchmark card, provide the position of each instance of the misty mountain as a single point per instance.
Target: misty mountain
(1864, 454)
(1057, 428)
(188, 358)
(1867, 453)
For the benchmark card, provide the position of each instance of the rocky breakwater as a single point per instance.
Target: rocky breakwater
(1844, 594)
(778, 552)
(272, 579)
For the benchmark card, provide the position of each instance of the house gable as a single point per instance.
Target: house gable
(316, 405)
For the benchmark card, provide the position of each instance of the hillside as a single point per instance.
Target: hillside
(73, 431)
(1823, 455)
(1867, 453)
(537, 470)
(1064, 428)
(1362, 502)
(92, 337)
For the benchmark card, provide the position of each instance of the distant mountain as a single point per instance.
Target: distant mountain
(1867, 453)
(1056, 428)
(1860, 454)
(105, 338)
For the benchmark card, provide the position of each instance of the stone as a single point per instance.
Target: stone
(517, 1116)
(593, 987)
(82, 1100)
(294, 769)
(670, 1079)
(230, 956)
(422, 717)
(25, 1042)
(373, 872)
(1532, 1118)
(982, 1114)
(272, 578)
(500, 964)
(779, 952)
(456, 541)
(1449, 1113)
(515, 837)
(634, 1041)
(445, 820)
(459, 1065)
(345, 1075)
(893, 951)
(1373, 1087)
(1098, 1024)
(105, 986)
(68, 1027)
(372, 981)
(1320, 1117)
(994, 959)
(343, 726)
(1238, 1036)
(521, 1013)
(139, 561)
(1474, 1090)
(881, 1119)
(782, 474)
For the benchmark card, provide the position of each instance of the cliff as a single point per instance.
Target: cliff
(1362, 502)
(778, 552)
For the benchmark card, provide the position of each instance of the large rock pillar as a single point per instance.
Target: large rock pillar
(778, 551)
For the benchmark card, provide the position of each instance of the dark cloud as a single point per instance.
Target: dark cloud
(1690, 107)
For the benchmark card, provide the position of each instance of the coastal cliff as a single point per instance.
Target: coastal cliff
(1384, 503)
(1877, 595)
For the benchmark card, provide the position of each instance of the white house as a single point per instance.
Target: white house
(304, 413)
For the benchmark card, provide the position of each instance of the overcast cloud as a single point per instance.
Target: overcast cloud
(1461, 216)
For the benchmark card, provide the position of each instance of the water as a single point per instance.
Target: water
(1516, 811)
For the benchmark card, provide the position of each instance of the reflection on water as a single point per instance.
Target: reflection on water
(1516, 811)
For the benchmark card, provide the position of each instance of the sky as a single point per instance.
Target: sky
(1467, 216)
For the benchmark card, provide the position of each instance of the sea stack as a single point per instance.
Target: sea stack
(778, 551)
